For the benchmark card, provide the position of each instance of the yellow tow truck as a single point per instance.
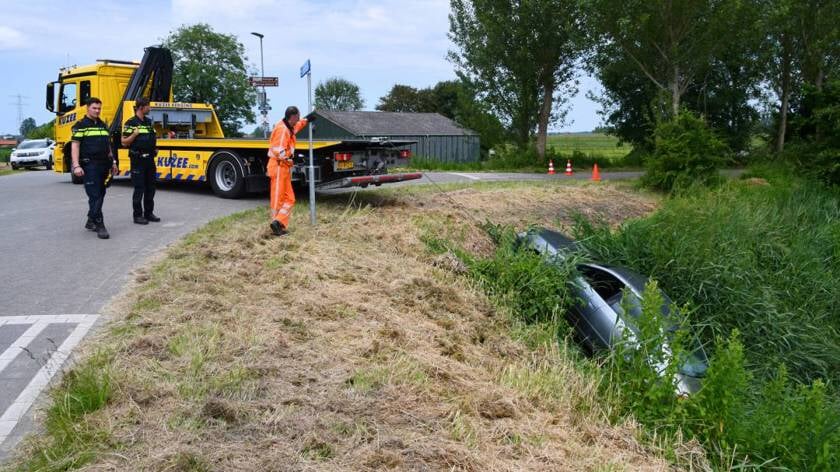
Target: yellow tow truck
(191, 144)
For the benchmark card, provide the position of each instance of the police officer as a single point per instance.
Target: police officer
(93, 160)
(139, 137)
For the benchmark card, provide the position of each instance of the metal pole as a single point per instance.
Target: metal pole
(311, 156)
(265, 98)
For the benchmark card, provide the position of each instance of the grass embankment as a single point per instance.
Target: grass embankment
(346, 346)
(755, 268)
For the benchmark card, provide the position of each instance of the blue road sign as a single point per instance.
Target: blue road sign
(304, 69)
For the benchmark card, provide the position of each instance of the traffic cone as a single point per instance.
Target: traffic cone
(568, 167)
(550, 167)
(596, 175)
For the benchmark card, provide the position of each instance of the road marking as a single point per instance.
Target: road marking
(21, 342)
(41, 379)
(471, 177)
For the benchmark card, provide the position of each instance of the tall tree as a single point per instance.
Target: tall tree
(46, 130)
(819, 36)
(804, 51)
(727, 90)
(521, 56)
(210, 68)
(670, 41)
(338, 94)
(782, 71)
(27, 126)
(405, 98)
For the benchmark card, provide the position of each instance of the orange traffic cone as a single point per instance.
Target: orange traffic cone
(551, 167)
(596, 176)
(568, 167)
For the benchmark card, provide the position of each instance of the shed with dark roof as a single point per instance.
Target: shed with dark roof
(437, 137)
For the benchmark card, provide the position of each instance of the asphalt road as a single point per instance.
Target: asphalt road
(56, 277)
(52, 267)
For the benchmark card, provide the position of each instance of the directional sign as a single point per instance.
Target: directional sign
(263, 81)
(304, 69)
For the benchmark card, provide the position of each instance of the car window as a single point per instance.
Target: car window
(32, 144)
(68, 97)
(84, 91)
(607, 285)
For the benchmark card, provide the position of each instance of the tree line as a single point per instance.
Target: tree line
(743, 65)
(746, 68)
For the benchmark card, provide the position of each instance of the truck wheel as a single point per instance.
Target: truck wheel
(226, 176)
(50, 164)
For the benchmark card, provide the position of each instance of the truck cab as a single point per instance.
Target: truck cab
(66, 97)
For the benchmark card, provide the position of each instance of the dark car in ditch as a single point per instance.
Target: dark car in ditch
(609, 303)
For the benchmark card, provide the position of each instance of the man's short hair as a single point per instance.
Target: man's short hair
(292, 111)
(141, 102)
(93, 100)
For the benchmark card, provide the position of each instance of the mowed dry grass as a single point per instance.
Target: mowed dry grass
(348, 347)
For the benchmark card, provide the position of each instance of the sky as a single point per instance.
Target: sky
(374, 43)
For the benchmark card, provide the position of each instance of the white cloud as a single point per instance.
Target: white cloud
(375, 43)
(11, 39)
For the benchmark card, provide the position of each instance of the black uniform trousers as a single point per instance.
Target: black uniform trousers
(143, 173)
(94, 179)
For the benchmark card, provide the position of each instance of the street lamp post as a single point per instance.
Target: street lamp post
(263, 108)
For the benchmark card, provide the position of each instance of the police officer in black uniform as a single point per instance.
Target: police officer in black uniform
(139, 137)
(93, 159)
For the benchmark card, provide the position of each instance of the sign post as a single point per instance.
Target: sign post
(306, 70)
(262, 99)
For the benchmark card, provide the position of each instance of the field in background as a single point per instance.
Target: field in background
(582, 149)
(588, 143)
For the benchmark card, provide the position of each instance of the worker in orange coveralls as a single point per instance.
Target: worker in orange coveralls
(281, 152)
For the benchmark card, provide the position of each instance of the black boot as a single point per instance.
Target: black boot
(152, 217)
(101, 232)
(90, 225)
(278, 229)
(139, 220)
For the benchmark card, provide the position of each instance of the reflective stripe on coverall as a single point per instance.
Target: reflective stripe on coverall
(281, 149)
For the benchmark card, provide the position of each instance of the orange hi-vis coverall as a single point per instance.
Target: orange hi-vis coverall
(281, 152)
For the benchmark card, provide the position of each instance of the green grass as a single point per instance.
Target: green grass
(565, 144)
(758, 267)
(763, 259)
(73, 438)
(756, 270)
(5, 169)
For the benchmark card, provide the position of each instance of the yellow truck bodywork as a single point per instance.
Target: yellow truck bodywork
(179, 158)
(190, 141)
